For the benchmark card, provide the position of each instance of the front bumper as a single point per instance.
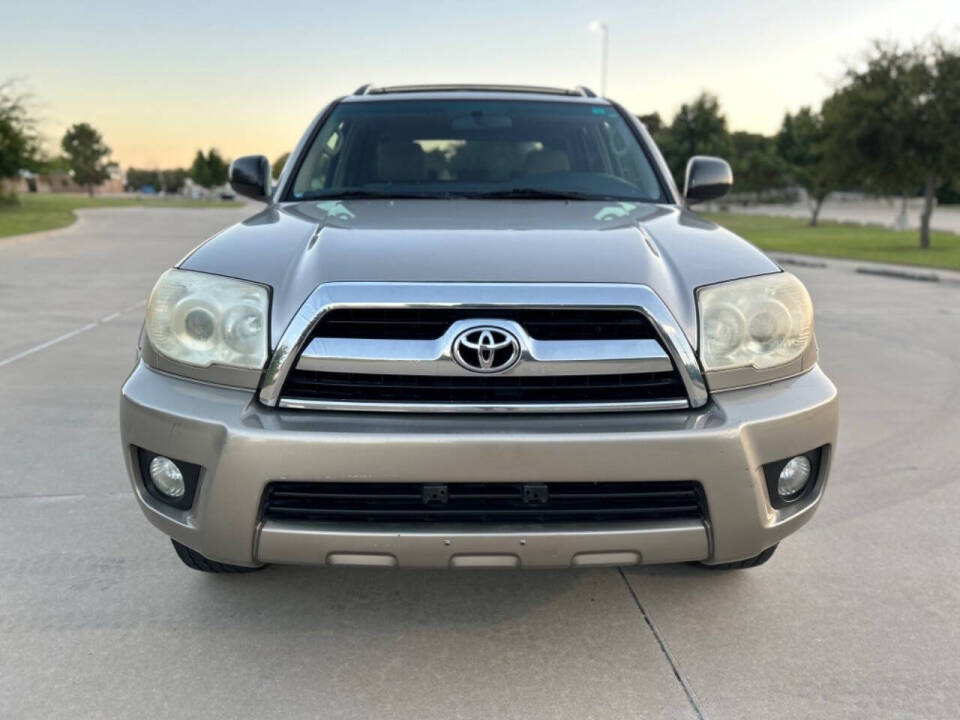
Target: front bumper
(242, 445)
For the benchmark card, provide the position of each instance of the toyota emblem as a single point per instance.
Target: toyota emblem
(486, 349)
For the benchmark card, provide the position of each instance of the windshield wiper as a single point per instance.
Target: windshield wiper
(520, 193)
(524, 193)
(372, 194)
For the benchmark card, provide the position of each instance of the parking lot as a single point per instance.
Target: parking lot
(856, 616)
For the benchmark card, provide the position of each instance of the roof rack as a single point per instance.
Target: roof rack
(370, 89)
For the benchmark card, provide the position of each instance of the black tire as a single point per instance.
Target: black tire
(194, 560)
(752, 562)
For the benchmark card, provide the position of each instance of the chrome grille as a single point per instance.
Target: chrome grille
(540, 323)
(399, 347)
(410, 365)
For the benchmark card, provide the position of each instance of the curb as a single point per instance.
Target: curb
(901, 274)
(801, 263)
(921, 274)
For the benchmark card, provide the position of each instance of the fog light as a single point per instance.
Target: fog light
(167, 477)
(793, 478)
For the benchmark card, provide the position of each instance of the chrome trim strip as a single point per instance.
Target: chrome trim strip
(297, 404)
(434, 357)
(485, 295)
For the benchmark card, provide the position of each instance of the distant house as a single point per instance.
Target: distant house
(61, 181)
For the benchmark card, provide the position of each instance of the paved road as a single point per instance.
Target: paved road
(855, 617)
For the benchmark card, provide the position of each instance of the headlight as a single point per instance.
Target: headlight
(758, 322)
(204, 320)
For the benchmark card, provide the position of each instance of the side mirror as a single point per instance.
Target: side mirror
(250, 177)
(707, 178)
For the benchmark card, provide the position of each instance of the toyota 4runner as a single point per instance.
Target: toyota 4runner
(477, 326)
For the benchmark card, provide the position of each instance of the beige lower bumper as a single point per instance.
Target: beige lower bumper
(243, 446)
(305, 544)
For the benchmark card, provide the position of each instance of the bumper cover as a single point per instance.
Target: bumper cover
(241, 446)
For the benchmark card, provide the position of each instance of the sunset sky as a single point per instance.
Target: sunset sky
(160, 80)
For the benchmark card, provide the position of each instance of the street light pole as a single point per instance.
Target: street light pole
(604, 49)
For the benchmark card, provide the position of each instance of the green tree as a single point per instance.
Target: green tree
(138, 178)
(755, 163)
(279, 164)
(199, 171)
(800, 144)
(49, 165)
(218, 168)
(173, 180)
(653, 122)
(209, 170)
(19, 145)
(893, 125)
(698, 128)
(86, 152)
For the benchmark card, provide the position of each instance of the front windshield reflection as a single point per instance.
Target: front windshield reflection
(507, 149)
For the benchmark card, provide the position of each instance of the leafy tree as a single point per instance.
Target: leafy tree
(756, 165)
(279, 164)
(86, 151)
(173, 180)
(653, 122)
(138, 178)
(800, 143)
(209, 170)
(199, 172)
(49, 165)
(894, 124)
(698, 128)
(218, 167)
(19, 145)
(949, 193)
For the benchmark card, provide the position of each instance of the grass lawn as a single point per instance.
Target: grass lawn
(47, 212)
(860, 242)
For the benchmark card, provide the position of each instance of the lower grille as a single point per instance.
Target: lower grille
(484, 502)
(362, 387)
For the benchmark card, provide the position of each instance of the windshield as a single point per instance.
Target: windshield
(476, 148)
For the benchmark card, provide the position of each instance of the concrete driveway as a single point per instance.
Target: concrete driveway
(856, 616)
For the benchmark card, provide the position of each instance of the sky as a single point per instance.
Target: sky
(160, 80)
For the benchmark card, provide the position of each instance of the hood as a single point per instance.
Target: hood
(297, 246)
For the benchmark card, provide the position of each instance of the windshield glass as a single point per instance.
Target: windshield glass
(476, 148)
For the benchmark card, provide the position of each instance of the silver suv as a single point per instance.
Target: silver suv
(477, 327)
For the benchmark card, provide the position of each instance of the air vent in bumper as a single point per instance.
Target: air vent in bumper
(588, 502)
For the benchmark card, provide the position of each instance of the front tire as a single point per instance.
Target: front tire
(195, 561)
(752, 562)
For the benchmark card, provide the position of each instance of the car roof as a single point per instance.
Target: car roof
(368, 93)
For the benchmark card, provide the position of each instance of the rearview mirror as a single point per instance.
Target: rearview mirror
(250, 177)
(707, 178)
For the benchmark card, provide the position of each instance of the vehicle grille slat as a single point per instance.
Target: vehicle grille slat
(305, 384)
(483, 502)
(540, 323)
